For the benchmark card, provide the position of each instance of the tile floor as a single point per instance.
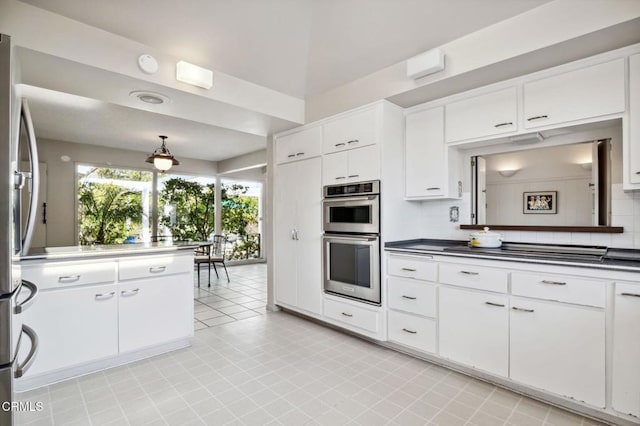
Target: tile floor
(275, 368)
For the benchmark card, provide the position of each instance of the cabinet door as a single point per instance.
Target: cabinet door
(363, 164)
(301, 145)
(351, 131)
(559, 348)
(633, 144)
(335, 168)
(155, 311)
(75, 326)
(626, 350)
(575, 95)
(474, 329)
(485, 115)
(308, 246)
(286, 176)
(425, 154)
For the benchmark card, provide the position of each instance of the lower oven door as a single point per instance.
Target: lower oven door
(352, 266)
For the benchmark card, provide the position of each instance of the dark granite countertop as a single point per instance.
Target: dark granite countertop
(94, 251)
(553, 254)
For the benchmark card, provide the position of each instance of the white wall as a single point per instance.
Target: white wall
(61, 179)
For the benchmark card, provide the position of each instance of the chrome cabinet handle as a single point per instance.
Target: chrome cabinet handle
(638, 173)
(470, 273)
(353, 141)
(506, 123)
(553, 282)
(68, 278)
(298, 154)
(500, 305)
(433, 188)
(27, 235)
(408, 269)
(31, 356)
(537, 117)
(340, 144)
(352, 176)
(293, 234)
(341, 177)
(515, 308)
(20, 308)
(409, 331)
(157, 269)
(347, 315)
(409, 297)
(630, 294)
(295, 231)
(129, 292)
(104, 296)
(291, 155)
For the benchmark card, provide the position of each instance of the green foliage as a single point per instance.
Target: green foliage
(192, 204)
(107, 213)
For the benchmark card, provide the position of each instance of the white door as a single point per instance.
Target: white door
(626, 349)
(425, 156)
(334, 168)
(40, 229)
(363, 164)
(285, 204)
(481, 190)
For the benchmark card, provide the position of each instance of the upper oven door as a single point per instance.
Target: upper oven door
(359, 214)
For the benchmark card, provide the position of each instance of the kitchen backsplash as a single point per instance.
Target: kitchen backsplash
(625, 208)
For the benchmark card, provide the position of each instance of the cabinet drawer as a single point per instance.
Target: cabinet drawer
(477, 277)
(352, 131)
(156, 266)
(354, 316)
(410, 330)
(65, 274)
(412, 296)
(412, 267)
(576, 290)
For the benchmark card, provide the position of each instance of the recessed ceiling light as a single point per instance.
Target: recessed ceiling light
(150, 97)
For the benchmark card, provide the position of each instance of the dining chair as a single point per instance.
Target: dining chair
(203, 255)
(218, 254)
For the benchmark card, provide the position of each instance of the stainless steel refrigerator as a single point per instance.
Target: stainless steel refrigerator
(15, 294)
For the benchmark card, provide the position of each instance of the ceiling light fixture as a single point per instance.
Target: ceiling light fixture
(527, 138)
(162, 158)
(194, 75)
(148, 97)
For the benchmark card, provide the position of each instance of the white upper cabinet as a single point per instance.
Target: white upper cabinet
(575, 95)
(351, 131)
(427, 171)
(354, 165)
(490, 114)
(632, 143)
(301, 145)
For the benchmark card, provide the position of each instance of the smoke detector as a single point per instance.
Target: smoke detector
(148, 97)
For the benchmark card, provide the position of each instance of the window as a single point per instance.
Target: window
(241, 213)
(114, 205)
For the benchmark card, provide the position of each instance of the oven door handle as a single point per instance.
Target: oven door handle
(344, 198)
(350, 238)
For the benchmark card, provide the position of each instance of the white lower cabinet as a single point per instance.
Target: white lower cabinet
(413, 331)
(626, 349)
(474, 329)
(154, 310)
(75, 325)
(355, 316)
(559, 348)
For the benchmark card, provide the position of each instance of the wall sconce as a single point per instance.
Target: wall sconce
(508, 173)
(194, 75)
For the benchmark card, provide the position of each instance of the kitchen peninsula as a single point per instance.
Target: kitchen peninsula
(106, 305)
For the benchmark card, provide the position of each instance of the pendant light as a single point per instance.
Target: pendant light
(162, 158)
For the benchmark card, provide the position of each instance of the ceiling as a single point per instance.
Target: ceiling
(297, 47)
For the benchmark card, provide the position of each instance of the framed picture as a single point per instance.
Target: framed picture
(543, 202)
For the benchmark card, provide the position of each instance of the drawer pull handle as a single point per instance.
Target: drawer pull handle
(500, 305)
(129, 292)
(638, 173)
(157, 269)
(537, 117)
(69, 278)
(630, 294)
(433, 188)
(506, 123)
(347, 315)
(298, 154)
(409, 331)
(553, 282)
(515, 308)
(408, 269)
(470, 273)
(103, 296)
(341, 177)
(338, 145)
(353, 141)
(291, 155)
(409, 297)
(352, 176)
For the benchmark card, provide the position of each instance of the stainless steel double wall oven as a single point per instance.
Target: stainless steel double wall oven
(351, 242)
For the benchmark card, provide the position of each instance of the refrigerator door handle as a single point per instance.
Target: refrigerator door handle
(20, 308)
(22, 368)
(35, 178)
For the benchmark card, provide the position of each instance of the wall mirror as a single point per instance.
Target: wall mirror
(562, 187)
